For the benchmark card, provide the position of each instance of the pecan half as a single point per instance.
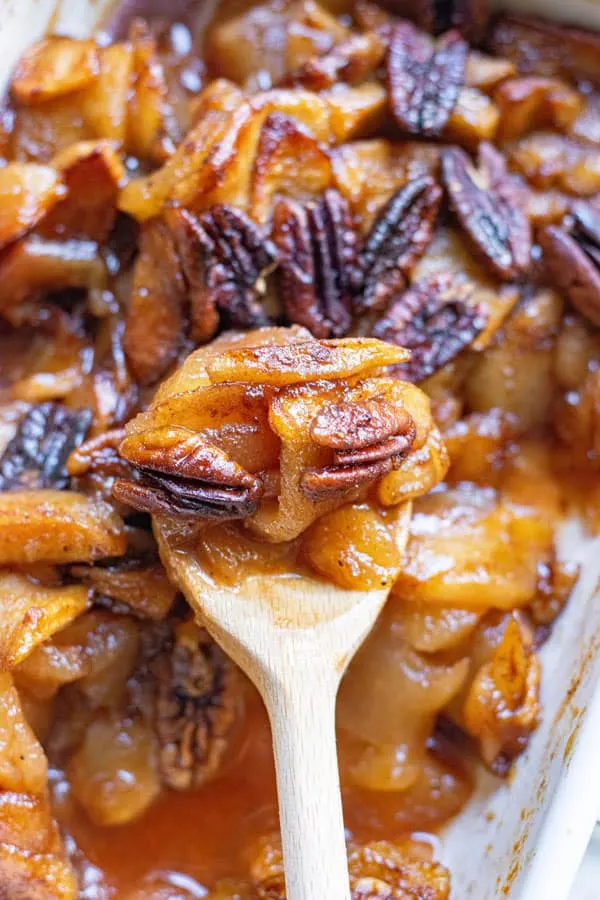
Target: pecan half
(233, 259)
(435, 16)
(317, 252)
(573, 259)
(354, 426)
(433, 321)
(424, 79)
(488, 205)
(37, 455)
(368, 439)
(191, 242)
(398, 238)
(181, 474)
(196, 705)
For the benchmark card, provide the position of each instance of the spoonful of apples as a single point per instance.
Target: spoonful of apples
(279, 471)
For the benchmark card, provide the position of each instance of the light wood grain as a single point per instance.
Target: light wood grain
(294, 637)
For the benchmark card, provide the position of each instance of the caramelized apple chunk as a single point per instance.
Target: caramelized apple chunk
(58, 527)
(475, 549)
(550, 160)
(53, 67)
(27, 192)
(33, 863)
(34, 612)
(112, 774)
(276, 40)
(388, 703)
(355, 547)
(502, 706)
(329, 421)
(527, 104)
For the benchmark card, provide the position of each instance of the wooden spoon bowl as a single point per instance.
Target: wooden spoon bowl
(294, 637)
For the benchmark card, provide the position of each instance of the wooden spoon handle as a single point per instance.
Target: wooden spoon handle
(302, 712)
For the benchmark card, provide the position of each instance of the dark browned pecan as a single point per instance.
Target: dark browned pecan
(424, 78)
(573, 259)
(488, 205)
(433, 321)
(435, 16)
(398, 238)
(368, 439)
(37, 455)
(237, 259)
(181, 474)
(335, 482)
(196, 706)
(191, 242)
(317, 252)
(355, 426)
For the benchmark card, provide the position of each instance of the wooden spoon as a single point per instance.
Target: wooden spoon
(294, 637)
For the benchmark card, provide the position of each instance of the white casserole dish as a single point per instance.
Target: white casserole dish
(522, 841)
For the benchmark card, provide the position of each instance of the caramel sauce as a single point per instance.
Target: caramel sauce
(206, 834)
(198, 833)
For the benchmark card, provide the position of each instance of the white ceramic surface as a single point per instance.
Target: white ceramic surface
(587, 883)
(519, 842)
(525, 841)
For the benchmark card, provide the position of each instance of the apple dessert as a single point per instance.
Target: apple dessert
(269, 271)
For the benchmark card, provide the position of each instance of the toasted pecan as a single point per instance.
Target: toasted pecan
(317, 250)
(37, 455)
(196, 706)
(573, 259)
(183, 474)
(238, 258)
(368, 439)
(424, 79)
(489, 208)
(396, 241)
(434, 322)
